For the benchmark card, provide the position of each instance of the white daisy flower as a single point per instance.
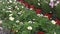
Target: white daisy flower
(29, 28)
(29, 21)
(11, 18)
(53, 22)
(17, 21)
(10, 14)
(39, 4)
(0, 21)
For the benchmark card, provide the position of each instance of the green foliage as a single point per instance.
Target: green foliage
(24, 16)
(33, 2)
(57, 11)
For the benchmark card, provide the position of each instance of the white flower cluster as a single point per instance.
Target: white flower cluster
(38, 2)
(17, 21)
(29, 28)
(10, 14)
(22, 6)
(53, 22)
(11, 18)
(30, 8)
(9, 11)
(57, 3)
(54, 32)
(17, 7)
(29, 21)
(40, 15)
(10, 1)
(0, 21)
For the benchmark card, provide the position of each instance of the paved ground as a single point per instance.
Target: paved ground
(4, 31)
